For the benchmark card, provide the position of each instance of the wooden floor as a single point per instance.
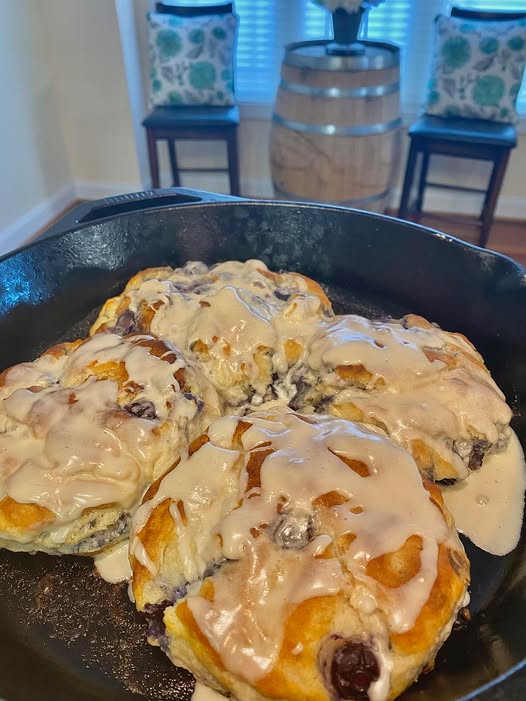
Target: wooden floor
(54, 220)
(508, 236)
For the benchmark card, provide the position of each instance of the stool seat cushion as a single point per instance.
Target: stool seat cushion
(469, 131)
(195, 117)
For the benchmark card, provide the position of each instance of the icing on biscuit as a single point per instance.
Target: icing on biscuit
(418, 382)
(389, 349)
(488, 505)
(230, 315)
(289, 464)
(113, 564)
(90, 429)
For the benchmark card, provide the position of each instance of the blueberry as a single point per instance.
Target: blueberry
(299, 399)
(293, 531)
(143, 409)
(353, 669)
(126, 323)
(154, 614)
(478, 451)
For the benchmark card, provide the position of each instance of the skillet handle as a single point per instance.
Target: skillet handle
(95, 210)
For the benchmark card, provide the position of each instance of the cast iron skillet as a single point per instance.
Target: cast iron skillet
(67, 635)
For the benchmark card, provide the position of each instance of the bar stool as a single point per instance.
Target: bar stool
(173, 124)
(459, 137)
(477, 139)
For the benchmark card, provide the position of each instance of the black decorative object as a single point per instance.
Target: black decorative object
(346, 27)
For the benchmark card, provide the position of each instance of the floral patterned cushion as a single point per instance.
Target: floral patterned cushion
(477, 68)
(192, 59)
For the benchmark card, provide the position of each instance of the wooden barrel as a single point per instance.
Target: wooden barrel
(335, 133)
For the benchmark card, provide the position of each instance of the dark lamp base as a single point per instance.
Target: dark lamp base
(336, 49)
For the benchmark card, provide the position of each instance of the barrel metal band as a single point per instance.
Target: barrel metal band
(370, 91)
(341, 203)
(335, 130)
(311, 54)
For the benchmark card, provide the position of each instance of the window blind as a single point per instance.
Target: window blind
(391, 22)
(257, 54)
(270, 25)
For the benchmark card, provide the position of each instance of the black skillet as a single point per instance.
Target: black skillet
(66, 635)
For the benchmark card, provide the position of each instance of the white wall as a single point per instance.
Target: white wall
(92, 95)
(65, 124)
(35, 177)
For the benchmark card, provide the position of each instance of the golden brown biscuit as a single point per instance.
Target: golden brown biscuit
(427, 388)
(297, 557)
(247, 326)
(83, 430)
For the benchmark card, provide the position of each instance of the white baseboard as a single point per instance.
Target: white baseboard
(92, 190)
(26, 226)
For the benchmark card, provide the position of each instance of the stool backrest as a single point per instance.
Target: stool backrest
(194, 10)
(489, 15)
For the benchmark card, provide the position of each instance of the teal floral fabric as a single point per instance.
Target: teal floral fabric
(478, 69)
(192, 59)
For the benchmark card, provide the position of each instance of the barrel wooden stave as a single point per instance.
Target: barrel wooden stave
(355, 169)
(317, 78)
(329, 168)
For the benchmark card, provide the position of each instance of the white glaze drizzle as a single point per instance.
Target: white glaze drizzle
(113, 564)
(70, 446)
(387, 349)
(450, 408)
(234, 327)
(245, 621)
(203, 495)
(205, 693)
(232, 308)
(379, 690)
(488, 505)
(419, 398)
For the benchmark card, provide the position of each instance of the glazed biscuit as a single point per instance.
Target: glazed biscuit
(427, 388)
(297, 557)
(245, 325)
(84, 429)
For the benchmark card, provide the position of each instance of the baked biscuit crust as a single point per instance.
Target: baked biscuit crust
(243, 323)
(427, 388)
(83, 430)
(297, 557)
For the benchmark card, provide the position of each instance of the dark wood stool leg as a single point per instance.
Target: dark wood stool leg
(153, 158)
(408, 181)
(492, 195)
(233, 163)
(422, 180)
(176, 181)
